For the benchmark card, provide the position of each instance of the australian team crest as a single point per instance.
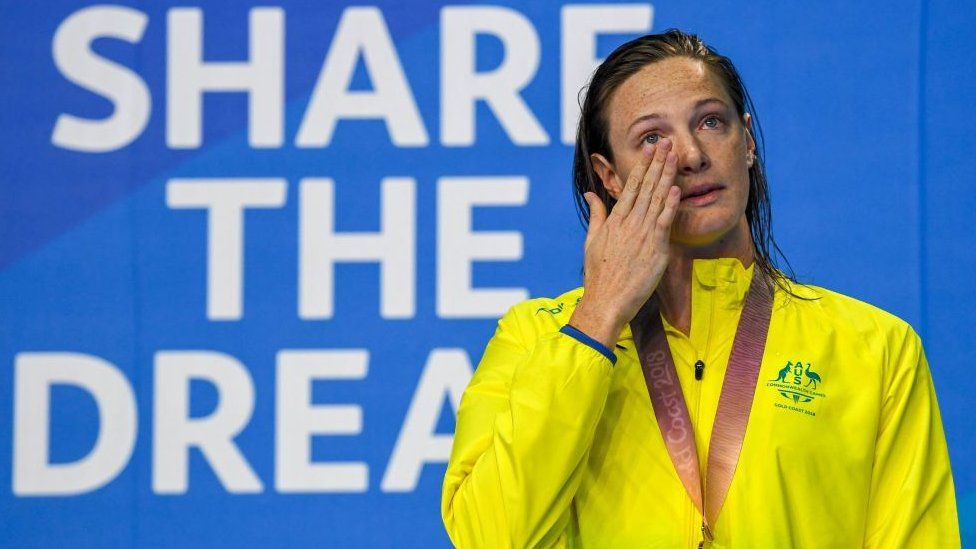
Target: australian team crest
(798, 383)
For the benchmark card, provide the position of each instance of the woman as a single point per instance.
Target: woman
(690, 393)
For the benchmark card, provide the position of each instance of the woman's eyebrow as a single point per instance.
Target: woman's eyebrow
(698, 104)
(702, 102)
(642, 118)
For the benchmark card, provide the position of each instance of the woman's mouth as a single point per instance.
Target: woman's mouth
(701, 195)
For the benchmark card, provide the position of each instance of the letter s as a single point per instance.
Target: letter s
(73, 56)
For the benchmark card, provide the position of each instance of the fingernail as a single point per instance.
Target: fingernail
(666, 144)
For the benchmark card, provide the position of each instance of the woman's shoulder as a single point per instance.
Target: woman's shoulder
(843, 311)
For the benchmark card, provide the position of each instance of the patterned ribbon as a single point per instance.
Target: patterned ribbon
(734, 404)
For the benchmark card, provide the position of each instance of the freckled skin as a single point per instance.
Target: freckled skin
(712, 151)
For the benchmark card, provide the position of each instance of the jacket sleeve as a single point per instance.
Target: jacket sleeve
(912, 500)
(524, 427)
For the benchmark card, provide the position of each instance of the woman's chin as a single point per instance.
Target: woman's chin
(701, 231)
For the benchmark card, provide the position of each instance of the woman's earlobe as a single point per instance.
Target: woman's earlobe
(608, 176)
(750, 141)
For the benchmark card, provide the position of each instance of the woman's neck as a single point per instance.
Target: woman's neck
(674, 290)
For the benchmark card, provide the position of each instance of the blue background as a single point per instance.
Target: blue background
(867, 110)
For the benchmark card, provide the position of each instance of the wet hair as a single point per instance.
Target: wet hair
(592, 134)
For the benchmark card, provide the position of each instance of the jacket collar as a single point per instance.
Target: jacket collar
(724, 277)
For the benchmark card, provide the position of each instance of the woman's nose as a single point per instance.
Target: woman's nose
(691, 157)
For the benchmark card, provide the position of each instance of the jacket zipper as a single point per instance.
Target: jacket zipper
(699, 374)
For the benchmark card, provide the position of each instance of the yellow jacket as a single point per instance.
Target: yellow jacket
(557, 445)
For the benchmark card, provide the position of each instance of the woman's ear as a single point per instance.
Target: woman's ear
(750, 142)
(608, 176)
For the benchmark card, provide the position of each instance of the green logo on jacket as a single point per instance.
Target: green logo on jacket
(799, 384)
(558, 308)
(553, 311)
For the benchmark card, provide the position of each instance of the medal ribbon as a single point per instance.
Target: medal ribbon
(734, 404)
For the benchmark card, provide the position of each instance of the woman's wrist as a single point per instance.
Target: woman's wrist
(598, 322)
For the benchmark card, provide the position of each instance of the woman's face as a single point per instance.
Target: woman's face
(679, 99)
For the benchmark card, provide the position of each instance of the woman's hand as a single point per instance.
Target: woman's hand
(626, 252)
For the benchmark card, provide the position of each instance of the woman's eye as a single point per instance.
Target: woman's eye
(712, 122)
(651, 138)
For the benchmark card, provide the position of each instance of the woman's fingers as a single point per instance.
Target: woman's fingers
(598, 214)
(626, 250)
(662, 225)
(651, 181)
(626, 200)
(662, 189)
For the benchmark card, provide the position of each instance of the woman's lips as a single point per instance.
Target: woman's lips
(702, 196)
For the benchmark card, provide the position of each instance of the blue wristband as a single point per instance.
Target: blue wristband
(587, 340)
